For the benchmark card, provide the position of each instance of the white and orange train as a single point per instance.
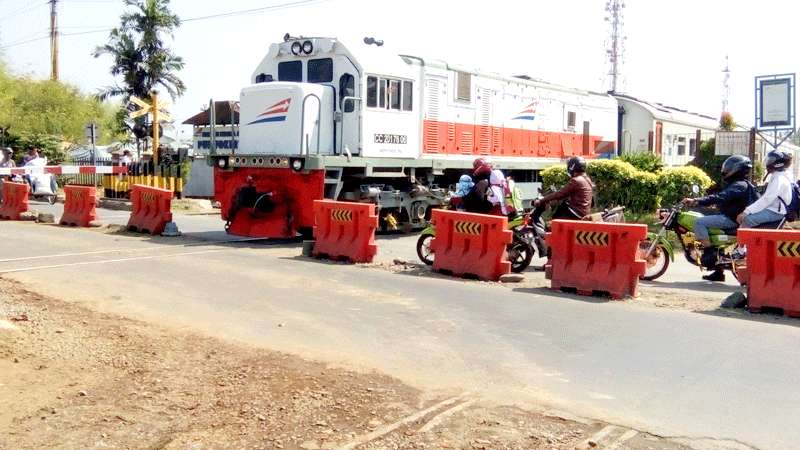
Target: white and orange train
(324, 121)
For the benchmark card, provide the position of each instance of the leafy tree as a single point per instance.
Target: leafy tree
(726, 122)
(49, 114)
(140, 55)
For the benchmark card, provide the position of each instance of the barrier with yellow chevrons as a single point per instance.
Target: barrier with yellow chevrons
(345, 230)
(79, 206)
(772, 275)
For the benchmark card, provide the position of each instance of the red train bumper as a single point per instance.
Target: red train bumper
(280, 201)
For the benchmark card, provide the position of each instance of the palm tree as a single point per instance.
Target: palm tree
(141, 57)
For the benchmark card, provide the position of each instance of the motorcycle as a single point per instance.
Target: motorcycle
(45, 188)
(538, 228)
(520, 251)
(658, 251)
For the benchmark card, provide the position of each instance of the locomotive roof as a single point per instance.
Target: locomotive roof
(520, 79)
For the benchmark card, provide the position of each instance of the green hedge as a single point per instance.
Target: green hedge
(620, 183)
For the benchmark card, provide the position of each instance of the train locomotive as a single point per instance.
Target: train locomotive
(325, 121)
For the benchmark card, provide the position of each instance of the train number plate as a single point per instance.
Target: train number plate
(391, 138)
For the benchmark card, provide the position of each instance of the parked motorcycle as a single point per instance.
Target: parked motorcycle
(45, 188)
(520, 251)
(658, 251)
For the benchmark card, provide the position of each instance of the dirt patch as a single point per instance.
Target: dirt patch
(74, 378)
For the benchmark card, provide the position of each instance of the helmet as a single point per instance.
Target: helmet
(777, 160)
(736, 165)
(576, 163)
(481, 168)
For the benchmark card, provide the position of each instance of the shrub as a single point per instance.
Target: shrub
(672, 183)
(645, 161)
(620, 183)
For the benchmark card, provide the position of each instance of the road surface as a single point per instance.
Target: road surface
(675, 373)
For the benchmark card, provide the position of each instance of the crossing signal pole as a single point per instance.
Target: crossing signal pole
(54, 40)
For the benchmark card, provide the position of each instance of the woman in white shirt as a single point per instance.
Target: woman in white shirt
(771, 207)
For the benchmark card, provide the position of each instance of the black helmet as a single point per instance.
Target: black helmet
(576, 164)
(777, 160)
(736, 165)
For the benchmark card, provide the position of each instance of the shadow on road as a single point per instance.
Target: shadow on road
(770, 316)
(699, 286)
(564, 295)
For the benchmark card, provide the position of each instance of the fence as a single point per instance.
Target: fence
(164, 176)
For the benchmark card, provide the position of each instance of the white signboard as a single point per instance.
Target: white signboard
(732, 143)
(775, 102)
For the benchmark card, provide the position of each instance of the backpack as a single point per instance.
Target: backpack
(793, 207)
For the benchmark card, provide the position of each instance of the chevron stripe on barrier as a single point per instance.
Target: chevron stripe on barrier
(596, 238)
(467, 228)
(342, 215)
(789, 249)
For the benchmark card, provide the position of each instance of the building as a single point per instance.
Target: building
(672, 133)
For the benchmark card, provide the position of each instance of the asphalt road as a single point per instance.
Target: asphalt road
(675, 373)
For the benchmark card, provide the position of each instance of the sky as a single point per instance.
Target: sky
(674, 50)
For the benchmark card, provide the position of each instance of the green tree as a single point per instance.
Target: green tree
(141, 57)
(49, 115)
(726, 122)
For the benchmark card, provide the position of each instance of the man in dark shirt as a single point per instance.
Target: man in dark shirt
(578, 193)
(737, 194)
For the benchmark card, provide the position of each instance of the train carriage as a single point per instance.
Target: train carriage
(322, 120)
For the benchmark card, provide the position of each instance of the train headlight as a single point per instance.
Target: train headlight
(222, 163)
(297, 165)
(308, 47)
(297, 48)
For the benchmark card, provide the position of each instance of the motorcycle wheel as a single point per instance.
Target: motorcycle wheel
(656, 264)
(520, 254)
(424, 249)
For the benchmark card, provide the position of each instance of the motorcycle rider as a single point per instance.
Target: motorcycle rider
(476, 201)
(578, 193)
(737, 194)
(771, 207)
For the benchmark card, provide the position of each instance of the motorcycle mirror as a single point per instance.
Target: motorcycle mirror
(695, 189)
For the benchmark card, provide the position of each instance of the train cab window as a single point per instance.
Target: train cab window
(382, 94)
(263, 78)
(408, 93)
(320, 70)
(290, 71)
(394, 95)
(372, 92)
(347, 88)
(464, 86)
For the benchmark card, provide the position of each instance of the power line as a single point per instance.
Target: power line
(288, 5)
(23, 10)
(247, 11)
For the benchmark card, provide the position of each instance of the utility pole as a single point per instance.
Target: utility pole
(616, 42)
(54, 40)
(156, 125)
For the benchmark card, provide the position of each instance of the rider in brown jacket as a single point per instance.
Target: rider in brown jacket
(578, 193)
